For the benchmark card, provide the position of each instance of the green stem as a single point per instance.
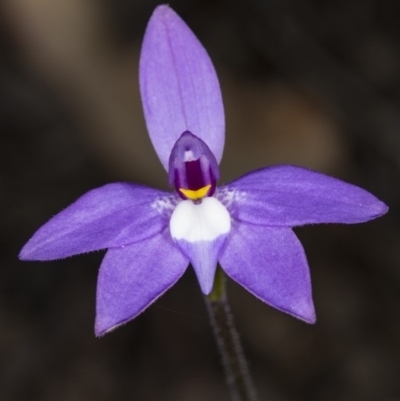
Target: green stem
(233, 360)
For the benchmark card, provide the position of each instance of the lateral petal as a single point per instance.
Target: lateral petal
(133, 277)
(270, 263)
(179, 86)
(200, 231)
(293, 196)
(110, 216)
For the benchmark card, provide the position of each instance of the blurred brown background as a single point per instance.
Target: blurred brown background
(312, 83)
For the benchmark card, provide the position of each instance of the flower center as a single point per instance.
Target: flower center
(193, 168)
(195, 194)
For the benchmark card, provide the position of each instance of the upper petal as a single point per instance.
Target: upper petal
(271, 264)
(293, 196)
(109, 216)
(132, 277)
(179, 86)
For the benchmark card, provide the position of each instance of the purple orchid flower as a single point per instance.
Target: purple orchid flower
(246, 226)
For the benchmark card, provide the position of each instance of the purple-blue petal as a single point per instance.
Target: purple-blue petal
(110, 216)
(179, 86)
(203, 256)
(293, 196)
(133, 277)
(270, 263)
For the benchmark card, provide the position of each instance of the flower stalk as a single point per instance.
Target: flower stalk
(234, 362)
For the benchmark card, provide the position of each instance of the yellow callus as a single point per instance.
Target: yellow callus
(197, 194)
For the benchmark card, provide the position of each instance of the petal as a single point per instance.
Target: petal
(200, 231)
(133, 277)
(293, 196)
(179, 86)
(271, 264)
(109, 216)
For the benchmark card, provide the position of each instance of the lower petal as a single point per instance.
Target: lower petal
(133, 277)
(271, 264)
(200, 231)
(203, 256)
